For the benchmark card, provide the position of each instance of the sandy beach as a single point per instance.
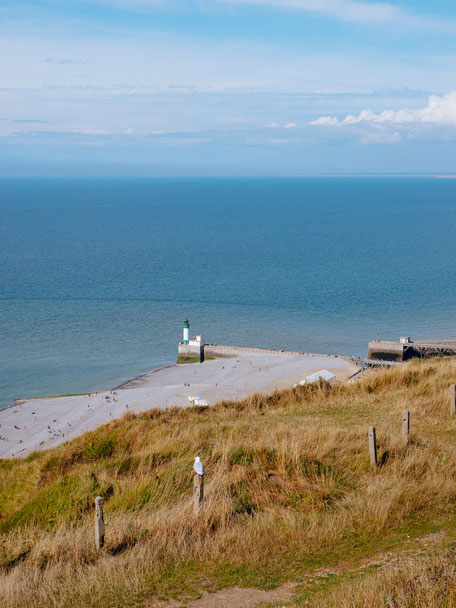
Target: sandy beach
(38, 424)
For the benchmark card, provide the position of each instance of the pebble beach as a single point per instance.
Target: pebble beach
(38, 424)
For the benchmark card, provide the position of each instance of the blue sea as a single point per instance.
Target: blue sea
(97, 276)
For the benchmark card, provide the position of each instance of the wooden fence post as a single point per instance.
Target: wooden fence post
(452, 400)
(99, 523)
(198, 492)
(372, 446)
(405, 426)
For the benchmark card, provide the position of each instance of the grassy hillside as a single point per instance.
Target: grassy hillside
(289, 490)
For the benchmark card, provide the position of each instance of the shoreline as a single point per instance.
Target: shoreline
(241, 349)
(125, 384)
(21, 400)
(39, 423)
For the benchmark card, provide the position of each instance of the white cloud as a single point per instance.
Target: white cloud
(347, 10)
(128, 132)
(136, 5)
(172, 82)
(380, 137)
(66, 61)
(288, 125)
(439, 111)
(91, 131)
(325, 120)
(355, 11)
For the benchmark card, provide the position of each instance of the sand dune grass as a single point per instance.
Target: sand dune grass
(424, 581)
(288, 488)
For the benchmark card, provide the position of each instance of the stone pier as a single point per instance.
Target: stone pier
(405, 348)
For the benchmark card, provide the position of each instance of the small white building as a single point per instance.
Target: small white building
(323, 374)
(196, 341)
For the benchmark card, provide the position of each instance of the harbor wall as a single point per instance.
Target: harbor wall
(386, 351)
(190, 351)
(220, 351)
(410, 349)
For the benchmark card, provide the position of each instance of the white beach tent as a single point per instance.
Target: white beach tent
(323, 374)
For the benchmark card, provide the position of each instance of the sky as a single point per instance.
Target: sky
(227, 87)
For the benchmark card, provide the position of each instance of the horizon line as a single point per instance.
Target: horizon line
(437, 175)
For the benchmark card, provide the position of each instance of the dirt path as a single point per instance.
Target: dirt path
(239, 597)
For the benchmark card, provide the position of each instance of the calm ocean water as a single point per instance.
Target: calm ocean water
(96, 276)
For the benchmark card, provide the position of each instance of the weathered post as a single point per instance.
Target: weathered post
(405, 426)
(452, 400)
(372, 446)
(198, 492)
(99, 523)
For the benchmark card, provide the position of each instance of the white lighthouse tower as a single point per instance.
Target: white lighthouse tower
(186, 326)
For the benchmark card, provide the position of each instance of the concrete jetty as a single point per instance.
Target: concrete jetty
(405, 348)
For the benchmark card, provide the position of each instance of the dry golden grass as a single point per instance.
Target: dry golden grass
(427, 581)
(288, 488)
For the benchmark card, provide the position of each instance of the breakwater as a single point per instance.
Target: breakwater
(405, 349)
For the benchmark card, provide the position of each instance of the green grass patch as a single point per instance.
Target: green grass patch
(182, 359)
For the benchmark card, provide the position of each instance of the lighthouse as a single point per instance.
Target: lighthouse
(186, 326)
(188, 350)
